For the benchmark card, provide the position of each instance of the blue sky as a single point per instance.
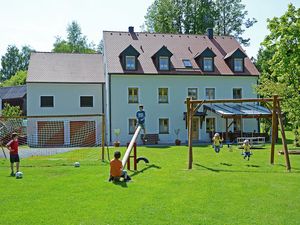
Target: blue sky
(36, 23)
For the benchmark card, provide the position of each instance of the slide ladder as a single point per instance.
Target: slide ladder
(129, 148)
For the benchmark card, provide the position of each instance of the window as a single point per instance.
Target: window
(238, 65)
(193, 93)
(47, 101)
(164, 63)
(163, 126)
(207, 64)
(187, 63)
(210, 93)
(163, 95)
(237, 125)
(86, 101)
(133, 96)
(132, 125)
(237, 93)
(130, 62)
(210, 125)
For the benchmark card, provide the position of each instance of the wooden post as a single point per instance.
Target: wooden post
(226, 135)
(275, 97)
(189, 126)
(103, 137)
(285, 148)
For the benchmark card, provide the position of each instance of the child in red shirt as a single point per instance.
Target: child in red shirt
(116, 168)
(13, 147)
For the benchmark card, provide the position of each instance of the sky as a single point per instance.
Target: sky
(37, 23)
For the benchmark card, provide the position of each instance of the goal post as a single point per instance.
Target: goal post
(56, 131)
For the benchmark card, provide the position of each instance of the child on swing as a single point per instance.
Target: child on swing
(247, 151)
(217, 142)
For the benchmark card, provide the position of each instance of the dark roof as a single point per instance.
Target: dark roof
(181, 46)
(13, 92)
(48, 67)
(242, 110)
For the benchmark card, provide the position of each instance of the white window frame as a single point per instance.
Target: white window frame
(159, 64)
(210, 88)
(128, 124)
(47, 106)
(197, 96)
(138, 93)
(212, 64)
(158, 100)
(164, 118)
(242, 64)
(237, 88)
(216, 123)
(130, 57)
(87, 96)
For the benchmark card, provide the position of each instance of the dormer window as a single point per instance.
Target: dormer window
(235, 60)
(205, 60)
(207, 64)
(130, 62)
(238, 65)
(129, 58)
(161, 59)
(164, 63)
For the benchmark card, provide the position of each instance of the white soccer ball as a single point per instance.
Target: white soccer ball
(19, 175)
(77, 164)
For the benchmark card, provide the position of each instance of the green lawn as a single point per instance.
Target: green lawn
(220, 189)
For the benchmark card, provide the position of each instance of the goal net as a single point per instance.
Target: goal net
(51, 135)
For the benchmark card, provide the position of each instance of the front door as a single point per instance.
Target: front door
(195, 129)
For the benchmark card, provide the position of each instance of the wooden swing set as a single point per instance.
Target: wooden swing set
(194, 105)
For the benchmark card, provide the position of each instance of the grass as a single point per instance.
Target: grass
(220, 189)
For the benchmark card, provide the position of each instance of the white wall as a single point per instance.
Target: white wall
(66, 102)
(178, 86)
(66, 98)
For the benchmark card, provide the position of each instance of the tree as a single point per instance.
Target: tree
(76, 42)
(278, 60)
(231, 19)
(18, 79)
(228, 17)
(14, 60)
(180, 16)
(11, 111)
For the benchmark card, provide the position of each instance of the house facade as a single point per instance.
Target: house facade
(160, 71)
(65, 95)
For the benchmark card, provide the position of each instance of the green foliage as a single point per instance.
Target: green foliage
(76, 42)
(18, 79)
(278, 61)
(11, 111)
(180, 16)
(195, 16)
(231, 19)
(220, 189)
(14, 60)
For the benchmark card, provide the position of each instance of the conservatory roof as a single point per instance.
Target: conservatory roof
(239, 110)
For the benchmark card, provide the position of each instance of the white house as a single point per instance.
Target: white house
(65, 93)
(159, 71)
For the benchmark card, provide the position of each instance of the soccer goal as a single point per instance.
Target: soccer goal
(58, 132)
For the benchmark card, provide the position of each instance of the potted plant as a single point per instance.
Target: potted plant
(177, 141)
(117, 133)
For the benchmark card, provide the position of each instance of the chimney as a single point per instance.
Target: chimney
(131, 29)
(210, 33)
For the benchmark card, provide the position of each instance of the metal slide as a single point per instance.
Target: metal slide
(128, 151)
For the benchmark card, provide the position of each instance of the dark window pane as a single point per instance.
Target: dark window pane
(47, 101)
(86, 101)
